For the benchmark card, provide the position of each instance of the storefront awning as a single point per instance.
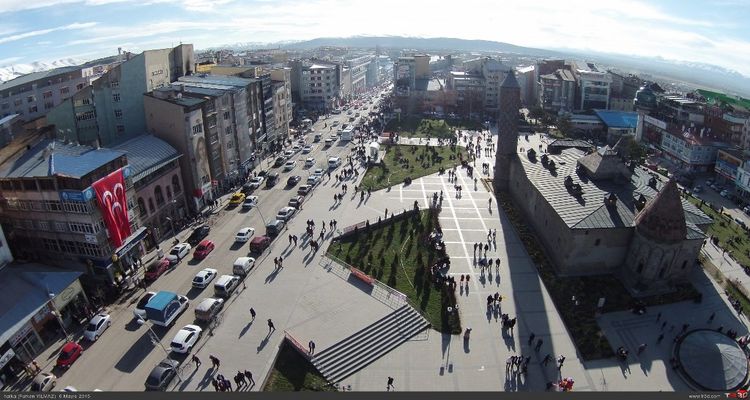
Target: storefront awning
(131, 241)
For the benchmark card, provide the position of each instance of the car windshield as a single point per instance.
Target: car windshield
(91, 327)
(64, 355)
(36, 387)
(201, 247)
(153, 380)
(143, 301)
(174, 252)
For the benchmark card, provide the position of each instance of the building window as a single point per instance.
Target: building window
(141, 207)
(49, 105)
(118, 114)
(32, 109)
(116, 97)
(85, 116)
(176, 184)
(30, 99)
(151, 205)
(60, 226)
(54, 206)
(228, 130)
(64, 90)
(43, 225)
(197, 129)
(114, 84)
(159, 196)
(230, 144)
(226, 114)
(169, 193)
(17, 102)
(47, 94)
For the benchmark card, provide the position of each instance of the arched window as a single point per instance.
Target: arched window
(176, 184)
(141, 207)
(169, 193)
(151, 205)
(159, 196)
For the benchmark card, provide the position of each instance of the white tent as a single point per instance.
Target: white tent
(374, 150)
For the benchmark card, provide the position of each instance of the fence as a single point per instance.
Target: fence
(297, 345)
(380, 291)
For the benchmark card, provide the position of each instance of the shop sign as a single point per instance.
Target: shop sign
(22, 333)
(6, 357)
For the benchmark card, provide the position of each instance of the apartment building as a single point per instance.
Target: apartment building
(593, 86)
(110, 110)
(557, 91)
(527, 80)
(282, 100)
(316, 85)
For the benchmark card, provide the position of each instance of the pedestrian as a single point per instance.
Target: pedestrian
(560, 361)
(252, 313)
(508, 364)
(228, 384)
(538, 344)
(642, 347)
(311, 347)
(290, 238)
(271, 328)
(390, 384)
(249, 376)
(276, 261)
(281, 260)
(237, 380)
(196, 360)
(660, 338)
(215, 383)
(711, 318)
(663, 325)
(658, 316)
(322, 233)
(215, 363)
(531, 338)
(295, 239)
(546, 360)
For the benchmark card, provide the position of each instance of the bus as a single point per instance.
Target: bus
(346, 134)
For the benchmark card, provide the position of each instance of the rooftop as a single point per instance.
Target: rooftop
(35, 76)
(55, 158)
(217, 80)
(172, 95)
(618, 119)
(146, 154)
(589, 210)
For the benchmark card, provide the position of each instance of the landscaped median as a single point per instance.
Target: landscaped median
(576, 298)
(407, 161)
(294, 373)
(413, 126)
(398, 253)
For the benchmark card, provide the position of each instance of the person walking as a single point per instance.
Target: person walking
(546, 359)
(311, 346)
(642, 348)
(215, 362)
(560, 361)
(271, 328)
(531, 338)
(196, 360)
(252, 313)
(711, 317)
(660, 338)
(390, 384)
(249, 376)
(215, 384)
(538, 344)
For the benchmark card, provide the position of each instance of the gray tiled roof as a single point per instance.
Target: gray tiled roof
(146, 154)
(35, 76)
(54, 157)
(590, 212)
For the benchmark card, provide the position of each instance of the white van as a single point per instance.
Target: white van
(226, 285)
(334, 162)
(208, 308)
(243, 265)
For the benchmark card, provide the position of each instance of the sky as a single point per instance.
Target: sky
(708, 31)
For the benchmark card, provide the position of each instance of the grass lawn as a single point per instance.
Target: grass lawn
(293, 373)
(731, 236)
(396, 253)
(579, 316)
(403, 161)
(413, 126)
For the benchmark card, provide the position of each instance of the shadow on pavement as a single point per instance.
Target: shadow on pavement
(136, 354)
(245, 329)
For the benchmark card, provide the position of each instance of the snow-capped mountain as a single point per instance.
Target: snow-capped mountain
(8, 72)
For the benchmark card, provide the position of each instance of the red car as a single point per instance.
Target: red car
(203, 249)
(156, 269)
(69, 354)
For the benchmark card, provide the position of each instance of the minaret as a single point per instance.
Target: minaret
(507, 128)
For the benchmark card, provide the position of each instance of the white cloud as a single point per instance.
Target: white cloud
(41, 32)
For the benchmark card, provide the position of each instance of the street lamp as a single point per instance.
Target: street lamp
(155, 340)
(56, 313)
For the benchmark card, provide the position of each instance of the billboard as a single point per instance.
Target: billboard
(110, 194)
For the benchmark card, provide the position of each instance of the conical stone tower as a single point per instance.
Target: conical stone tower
(507, 126)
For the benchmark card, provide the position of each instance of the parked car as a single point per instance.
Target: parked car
(242, 266)
(162, 374)
(237, 199)
(226, 285)
(204, 248)
(198, 234)
(96, 326)
(178, 252)
(328, 142)
(156, 269)
(746, 209)
(43, 382)
(289, 165)
(256, 182)
(319, 172)
(724, 193)
(288, 154)
(297, 148)
(259, 243)
(313, 180)
(285, 214)
(309, 162)
(69, 354)
(207, 309)
(279, 161)
(250, 202)
(244, 234)
(296, 202)
(140, 308)
(204, 277)
(307, 149)
(293, 180)
(304, 190)
(186, 338)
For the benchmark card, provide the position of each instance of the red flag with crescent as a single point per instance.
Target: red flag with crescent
(110, 193)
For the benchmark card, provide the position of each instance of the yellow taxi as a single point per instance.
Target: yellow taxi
(237, 199)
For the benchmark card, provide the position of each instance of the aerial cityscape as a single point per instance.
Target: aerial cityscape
(214, 196)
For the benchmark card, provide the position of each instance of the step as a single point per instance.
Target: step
(331, 351)
(365, 335)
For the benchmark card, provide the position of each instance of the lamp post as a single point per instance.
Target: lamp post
(57, 314)
(155, 340)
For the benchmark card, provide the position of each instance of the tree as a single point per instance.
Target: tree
(564, 126)
(537, 113)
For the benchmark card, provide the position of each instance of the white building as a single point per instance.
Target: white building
(593, 87)
(526, 77)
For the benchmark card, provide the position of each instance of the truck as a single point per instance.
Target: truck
(164, 307)
(347, 133)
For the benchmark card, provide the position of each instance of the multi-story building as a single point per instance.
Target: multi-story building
(358, 70)
(157, 180)
(469, 90)
(34, 95)
(623, 90)
(181, 121)
(410, 69)
(61, 204)
(282, 100)
(239, 117)
(745, 138)
(546, 67)
(691, 150)
(527, 79)
(110, 110)
(557, 91)
(10, 127)
(316, 85)
(373, 72)
(593, 86)
(742, 180)
(728, 163)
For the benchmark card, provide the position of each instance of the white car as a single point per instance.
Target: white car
(309, 162)
(204, 277)
(244, 234)
(289, 165)
(140, 308)
(256, 182)
(96, 326)
(285, 214)
(250, 202)
(313, 180)
(178, 252)
(186, 338)
(319, 172)
(289, 153)
(307, 149)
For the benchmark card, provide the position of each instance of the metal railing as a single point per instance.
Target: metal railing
(380, 291)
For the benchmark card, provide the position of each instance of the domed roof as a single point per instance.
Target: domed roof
(663, 218)
(712, 360)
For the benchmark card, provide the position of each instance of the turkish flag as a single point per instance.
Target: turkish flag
(110, 193)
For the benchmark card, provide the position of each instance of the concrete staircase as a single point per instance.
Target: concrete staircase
(362, 348)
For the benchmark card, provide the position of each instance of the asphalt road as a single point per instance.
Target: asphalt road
(124, 355)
